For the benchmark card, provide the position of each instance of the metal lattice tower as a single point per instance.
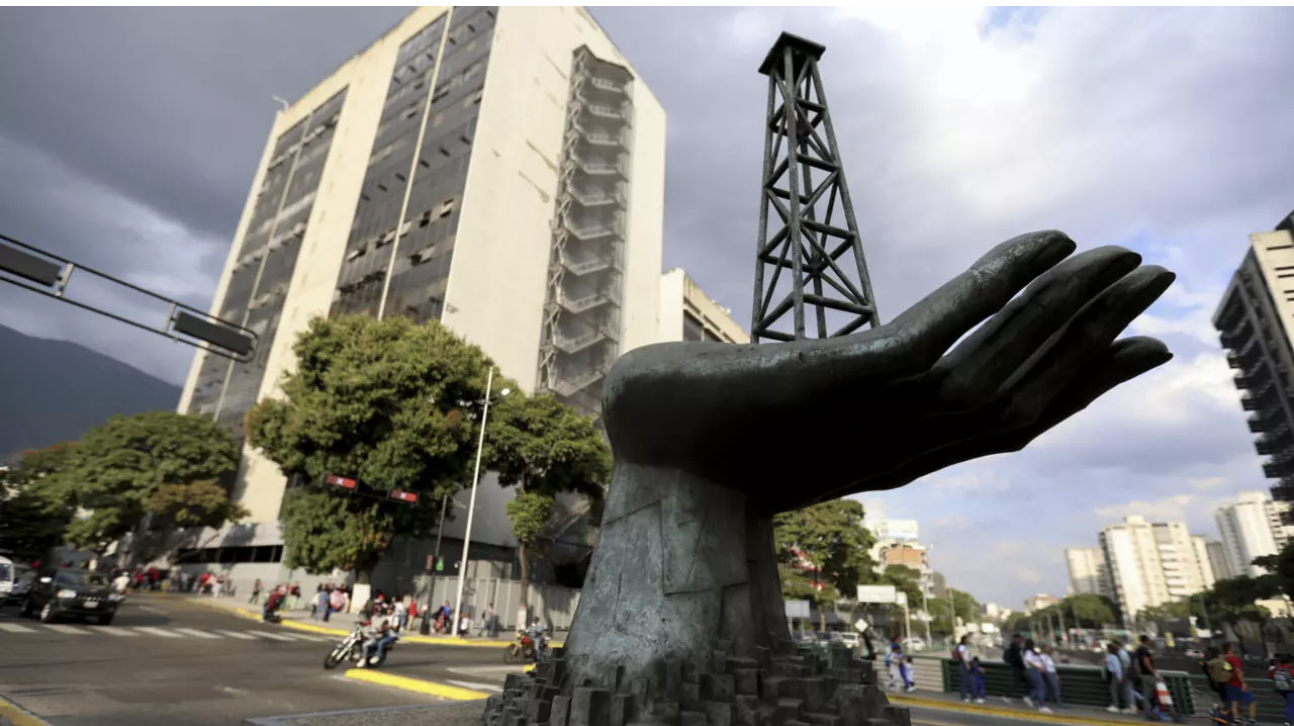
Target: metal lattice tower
(804, 184)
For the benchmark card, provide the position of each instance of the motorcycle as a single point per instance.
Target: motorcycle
(523, 649)
(351, 648)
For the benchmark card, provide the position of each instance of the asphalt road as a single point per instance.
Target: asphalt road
(167, 661)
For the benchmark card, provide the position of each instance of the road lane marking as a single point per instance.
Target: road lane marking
(476, 686)
(198, 633)
(119, 632)
(237, 634)
(14, 628)
(271, 636)
(153, 610)
(157, 631)
(67, 629)
(991, 711)
(307, 638)
(11, 712)
(428, 688)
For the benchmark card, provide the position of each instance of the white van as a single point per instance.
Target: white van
(15, 581)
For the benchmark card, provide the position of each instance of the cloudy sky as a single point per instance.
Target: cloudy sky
(129, 138)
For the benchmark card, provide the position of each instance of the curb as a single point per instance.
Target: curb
(321, 630)
(12, 713)
(1019, 715)
(416, 685)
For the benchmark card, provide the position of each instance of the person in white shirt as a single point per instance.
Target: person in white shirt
(1033, 670)
(963, 657)
(377, 633)
(1050, 676)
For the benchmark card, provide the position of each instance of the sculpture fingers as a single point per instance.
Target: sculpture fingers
(929, 328)
(1084, 338)
(976, 369)
(1121, 362)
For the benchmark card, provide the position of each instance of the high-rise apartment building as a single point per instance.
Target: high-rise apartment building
(687, 313)
(1184, 574)
(1252, 527)
(1087, 574)
(1208, 573)
(1254, 320)
(1218, 561)
(500, 170)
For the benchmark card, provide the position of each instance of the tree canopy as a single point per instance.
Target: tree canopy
(389, 403)
(34, 511)
(118, 468)
(543, 448)
(831, 537)
(1281, 568)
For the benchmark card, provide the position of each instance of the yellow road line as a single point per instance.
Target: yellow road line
(10, 711)
(1052, 718)
(426, 688)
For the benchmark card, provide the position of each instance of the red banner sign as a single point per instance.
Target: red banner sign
(404, 496)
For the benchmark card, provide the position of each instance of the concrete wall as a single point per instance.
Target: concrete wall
(498, 278)
(679, 296)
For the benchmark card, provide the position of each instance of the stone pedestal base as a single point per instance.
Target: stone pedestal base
(801, 687)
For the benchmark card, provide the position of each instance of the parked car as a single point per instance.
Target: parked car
(914, 645)
(72, 592)
(15, 582)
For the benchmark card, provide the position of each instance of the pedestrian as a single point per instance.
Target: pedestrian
(294, 596)
(1149, 678)
(961, 654)
(977, 674)
(489, 621)
(336, 602)
(401, 613)
(1014, 657)
(464, 626)
(256, 592)
(1218, 672)
(1034, 670)
(1114, 675)
(1050, 676)
(1131, 691)
(1282, 675)
(1238, 693)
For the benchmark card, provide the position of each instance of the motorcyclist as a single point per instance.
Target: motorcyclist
(377, 632)
(539, 635)
(270, 613)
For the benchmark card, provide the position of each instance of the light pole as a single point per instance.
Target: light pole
(471, 507)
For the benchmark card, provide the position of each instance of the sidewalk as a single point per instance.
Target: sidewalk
(995, 706)
(339, 624)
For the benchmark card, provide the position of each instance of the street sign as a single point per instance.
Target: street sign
(878, 594)
(341, 481)
(404, 496)
(797, 609)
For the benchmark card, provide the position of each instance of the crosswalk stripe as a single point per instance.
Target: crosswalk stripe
(157, 631)
(236, 634)
(14, 628)
(304, 636)
(197, 633)
(271, 636)
(119, 632)
(67, 629)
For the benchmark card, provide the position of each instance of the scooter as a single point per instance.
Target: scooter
(523, 649)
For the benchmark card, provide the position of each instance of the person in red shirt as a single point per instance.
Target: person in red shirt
(1237, 689)
(1282, 675)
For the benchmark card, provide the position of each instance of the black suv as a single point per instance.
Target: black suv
(72, 592)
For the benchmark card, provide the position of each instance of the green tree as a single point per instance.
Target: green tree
(34, 512)
(1281, 567)
(904, 579)
(543, 448)
(1234, 600)
(1090, 611)
(831, 536)
(390, 403)
(180, 511)
(118, 466)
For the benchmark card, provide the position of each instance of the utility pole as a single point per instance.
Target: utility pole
(425, 627)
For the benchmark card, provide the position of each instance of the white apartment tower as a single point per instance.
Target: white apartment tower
(1087, 575)
(1252, 527)
(500, 170)
(1208, 574)
(1132, 561)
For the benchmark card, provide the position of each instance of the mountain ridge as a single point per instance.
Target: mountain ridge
(53, 391)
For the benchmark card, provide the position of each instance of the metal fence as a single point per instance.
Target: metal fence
(554, 605)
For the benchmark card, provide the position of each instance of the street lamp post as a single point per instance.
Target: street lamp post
(471, 507)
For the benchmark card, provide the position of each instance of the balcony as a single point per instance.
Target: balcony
(572, 345)
(609, 113)
(588, 266)
(600, 168)
(1266, 420)
(1261, 397)
(1274, 441)
(594, 199)
(1279, 467)
(593, 232)
(584, 303)
(572, 386)
(1233, 360)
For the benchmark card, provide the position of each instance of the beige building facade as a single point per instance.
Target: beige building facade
(687, 313)
(498, 169)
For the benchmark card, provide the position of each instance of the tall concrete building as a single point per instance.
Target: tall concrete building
(1184, 573)
(1208, 573)
(1252, 527)
(1218, 561)
(1146, 564)
(1254, 320)
(500, 170)
(687, 313)
(1087, 574)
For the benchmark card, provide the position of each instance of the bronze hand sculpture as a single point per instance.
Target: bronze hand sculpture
(711, 440)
